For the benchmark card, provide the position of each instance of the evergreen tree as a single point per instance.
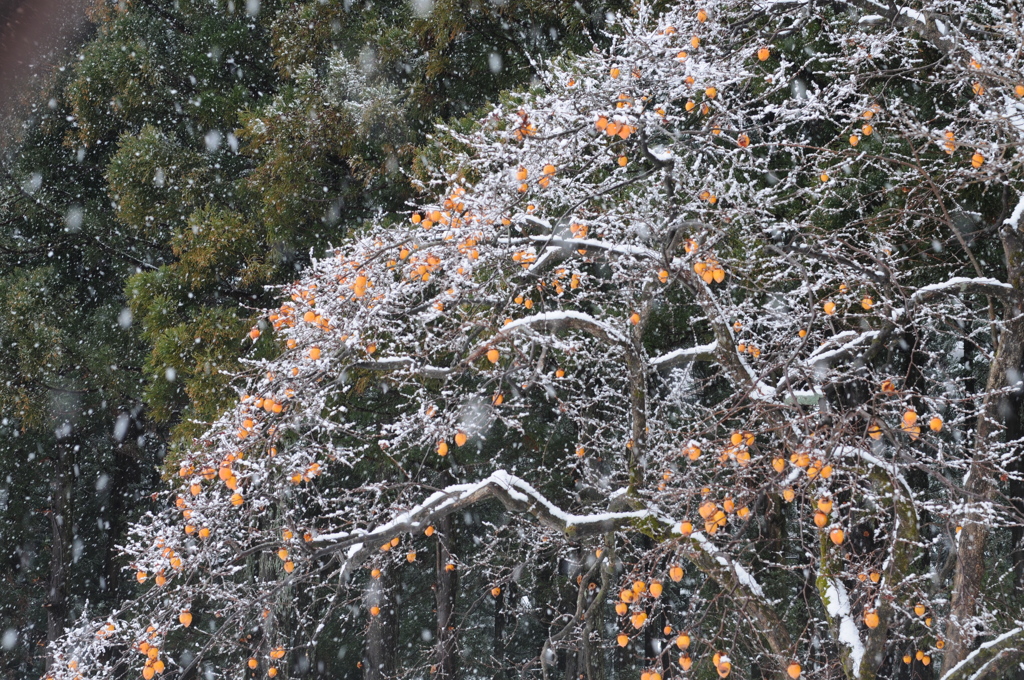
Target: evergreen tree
(76, 455)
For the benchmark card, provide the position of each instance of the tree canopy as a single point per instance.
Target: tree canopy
(700, 355)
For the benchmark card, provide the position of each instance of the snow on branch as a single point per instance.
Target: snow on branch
(962, 284)
(518, 495)
(684, 355)
(588, 244)
(1014, 220)
(551, 322)
(990, 658)
(388, 364)
(556, 321)
(743, 577)
(744, 588)
(513, 492)
(925, 24)
(822, 357)
(837, 604)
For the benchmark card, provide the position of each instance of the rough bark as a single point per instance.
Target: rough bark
(992, 659)
(979, 487)
(380, 654)
(445, 590)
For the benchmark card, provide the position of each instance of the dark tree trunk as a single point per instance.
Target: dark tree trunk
(981, 483)
(118, 504)
(571, 570)
(445, 590)
(381, 654)
(499, 634)
(1014, 432)
(114, 519)
(593, 652)
(571, 671)
(60, 544)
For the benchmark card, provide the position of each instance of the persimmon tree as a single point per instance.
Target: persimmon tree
(726, 318)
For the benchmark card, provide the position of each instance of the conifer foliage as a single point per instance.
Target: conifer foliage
(725, 317)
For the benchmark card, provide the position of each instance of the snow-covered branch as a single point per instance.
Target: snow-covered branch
(553, 322)
(513, 492)
(967, 285)
(837, 604)
(684, 355)
(991, 659)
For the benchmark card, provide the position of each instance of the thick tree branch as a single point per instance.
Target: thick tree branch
(549, 322)
(973, 286)
(991, 659)
(746, 591)
(684, 355)
(514, 493)
(924, 23)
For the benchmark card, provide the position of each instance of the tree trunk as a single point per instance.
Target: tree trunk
(970, 568)
(381, 654)
(980, 486)
(1014, 432)
(265, 568)
(60, 544)
(593, 654)
(445, 590)
(124, 476)
(571, 666)
(499, 633)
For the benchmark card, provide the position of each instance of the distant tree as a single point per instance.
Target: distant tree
(726, 321)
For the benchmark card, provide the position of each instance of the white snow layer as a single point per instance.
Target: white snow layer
(514, 486)
(685, 352)
(1014, 220)
(564, 316)
(957, 281)
(837, 603)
